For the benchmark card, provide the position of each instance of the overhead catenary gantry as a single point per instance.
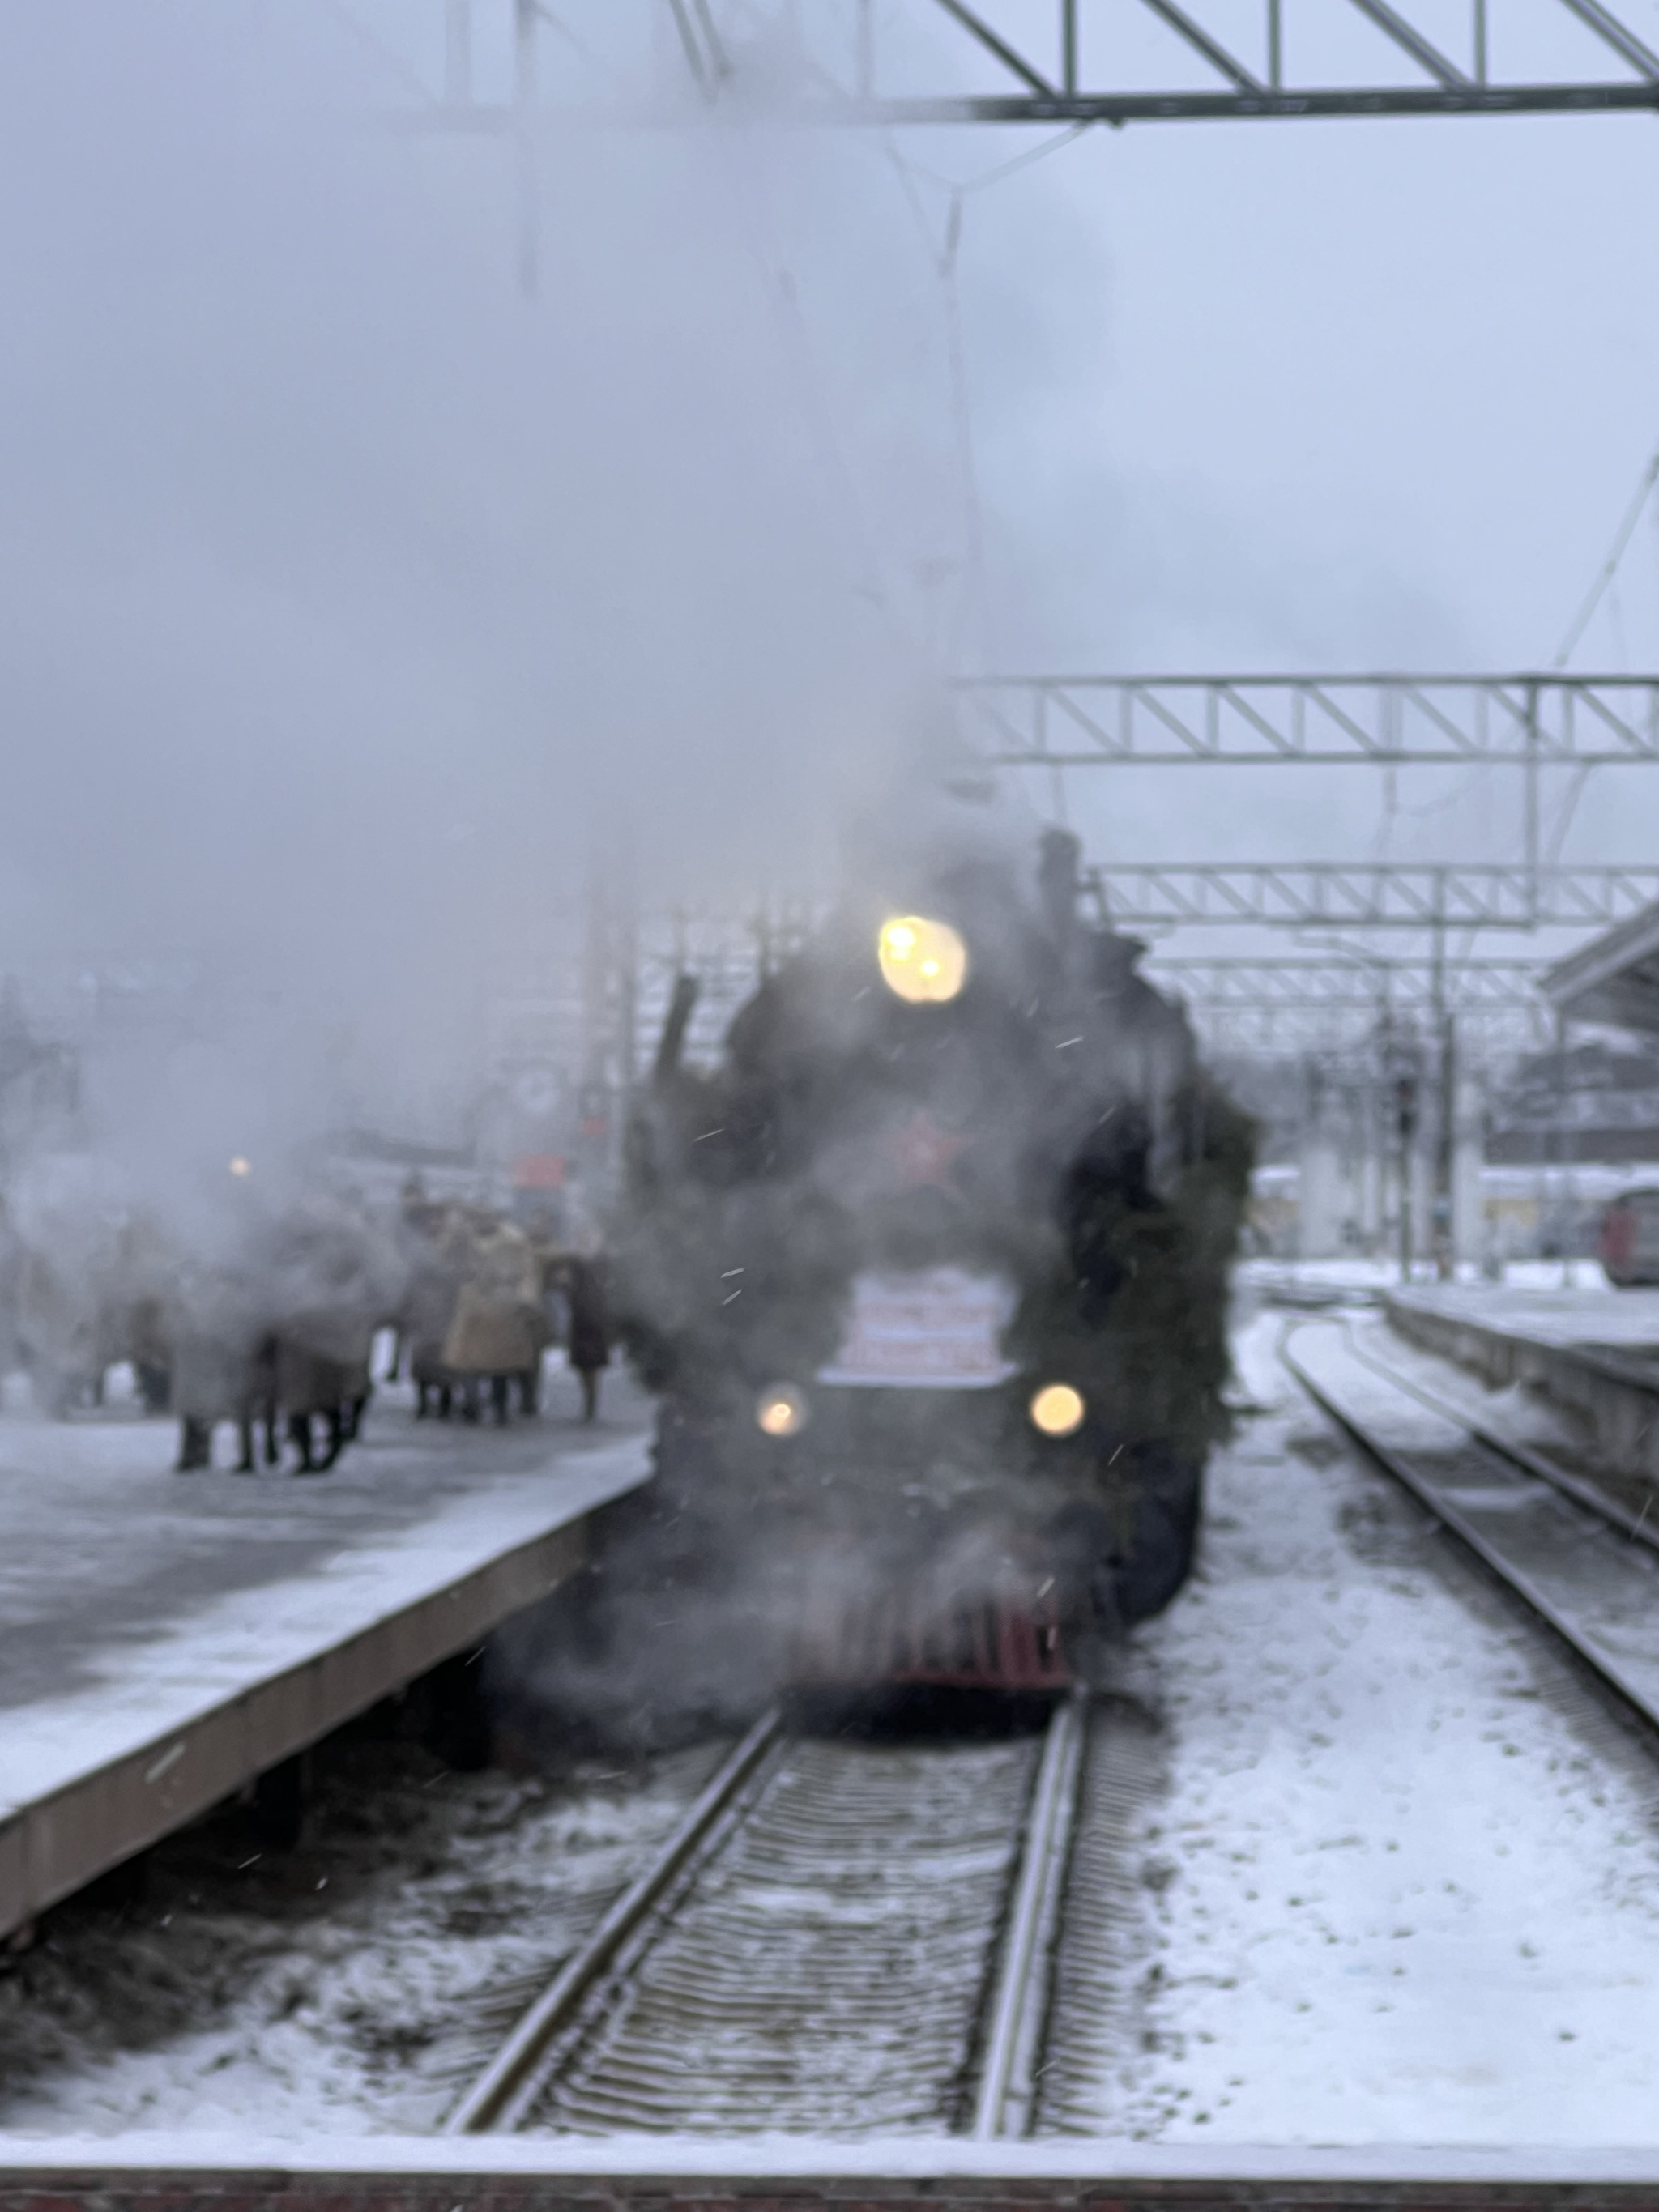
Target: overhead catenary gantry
(1069, 79)
(1348, 982)
(1275, 1001)
(1325, 983)
(1524, 721)
(1531, 721)
(1427, 896)
(1305, 1002)
(863, 63)
(890, 63)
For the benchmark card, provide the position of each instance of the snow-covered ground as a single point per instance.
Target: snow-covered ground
(1399, 1888)
(1356, 1273)
(1403, 1885)
(350, 1987)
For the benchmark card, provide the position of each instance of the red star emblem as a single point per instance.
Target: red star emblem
(922, 1153)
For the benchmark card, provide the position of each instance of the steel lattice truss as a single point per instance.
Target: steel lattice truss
(1285, 1028)
(1254, 80)
(1402, 986)
(1265, 1002)
(883, 62)
(1219, 61)
(1398, 895)
(1290, 1004)
(1451, 721)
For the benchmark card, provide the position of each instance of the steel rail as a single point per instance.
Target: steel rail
(1635, 1526)
(1445, 1511)
(1018, 1988)
(508, 2086)
(1019, 2006)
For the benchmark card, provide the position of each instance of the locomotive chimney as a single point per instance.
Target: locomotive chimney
(673, 1043)
(1057, 873)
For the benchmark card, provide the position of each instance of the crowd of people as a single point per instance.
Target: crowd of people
(271, 1327)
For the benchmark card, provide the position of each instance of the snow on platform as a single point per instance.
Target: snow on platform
(164, 1638)
(239, 2171)
(1594, 1353)
(1575, 1315)
(1403, 1886)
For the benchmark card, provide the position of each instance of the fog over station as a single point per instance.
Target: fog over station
(358, 588)
(829, 1104)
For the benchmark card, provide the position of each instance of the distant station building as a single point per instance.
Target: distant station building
(1591, 1101)
(1606, 1101)
(1539, 1147)
(1574, 1126)
(1614, 980)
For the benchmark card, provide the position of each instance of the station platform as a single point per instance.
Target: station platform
(165, 1638)
(1593, 1353)
(761, 2173)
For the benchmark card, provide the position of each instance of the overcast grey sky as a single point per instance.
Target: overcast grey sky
(1317, 396)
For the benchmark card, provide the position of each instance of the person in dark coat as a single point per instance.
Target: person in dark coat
(590, 1327)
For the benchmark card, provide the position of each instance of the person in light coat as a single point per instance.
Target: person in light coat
(500, 1329)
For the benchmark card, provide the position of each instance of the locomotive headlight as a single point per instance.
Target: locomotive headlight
(925, 962)
(240, 1166)
(1058, 1410)
(780, 1410)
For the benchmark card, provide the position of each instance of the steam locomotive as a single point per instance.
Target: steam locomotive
(930, 1274)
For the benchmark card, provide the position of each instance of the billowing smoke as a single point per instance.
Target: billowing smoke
(360, 603)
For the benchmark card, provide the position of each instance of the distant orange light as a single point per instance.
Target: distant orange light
(780, 1410)
(1058, 1410)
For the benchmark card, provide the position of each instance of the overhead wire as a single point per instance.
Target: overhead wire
(783, 299)
(996, 175)
(1575, 791)
(387, 56)
(1581, 776)
(1609, 567)
(577, 43)
(1606, 583)
(1616, 619)
(973, 607)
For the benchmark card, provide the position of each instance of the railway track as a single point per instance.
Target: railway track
(1578, 1561)
(845, 1940)
(840, 1937)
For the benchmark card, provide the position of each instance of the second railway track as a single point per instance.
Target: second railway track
(1580, 1562)
(840, 1937)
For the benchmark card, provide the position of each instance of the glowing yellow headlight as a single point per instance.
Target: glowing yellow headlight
(1058, 1410)
(925, 962)
(780, 1410)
